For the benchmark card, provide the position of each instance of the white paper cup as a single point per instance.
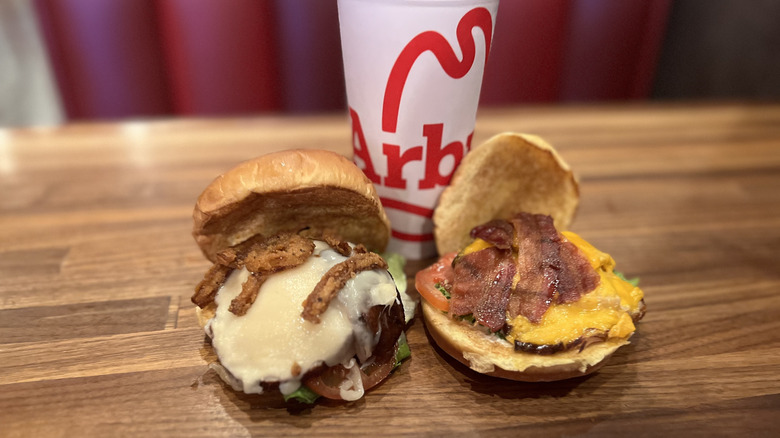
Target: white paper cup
(413, 72)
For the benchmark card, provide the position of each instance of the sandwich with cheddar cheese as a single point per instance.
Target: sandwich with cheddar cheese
(514, 295)
(298, 298)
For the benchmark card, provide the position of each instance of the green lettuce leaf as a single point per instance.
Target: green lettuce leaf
(404, 352)
(633, 282)
(443, 291)
(303, 394)
(468, 318)
(395, 264)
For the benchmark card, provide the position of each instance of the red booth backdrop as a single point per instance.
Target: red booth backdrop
(140, 58)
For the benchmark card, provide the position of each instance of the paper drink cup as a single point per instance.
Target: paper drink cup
(413, 71)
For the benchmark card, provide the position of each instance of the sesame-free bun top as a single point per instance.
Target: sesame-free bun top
(507, 174)
(290, 191)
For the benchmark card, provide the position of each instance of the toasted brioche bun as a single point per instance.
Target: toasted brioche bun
(289, 191)
(486, 354)
(507, 174)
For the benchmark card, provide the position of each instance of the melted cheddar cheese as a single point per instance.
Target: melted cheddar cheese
(476, 245)
(606, 310)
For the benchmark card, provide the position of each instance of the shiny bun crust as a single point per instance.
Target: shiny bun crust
(288, 191)
(506, 174)
(489, 355)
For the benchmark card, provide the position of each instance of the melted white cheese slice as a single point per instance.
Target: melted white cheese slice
(267, 342)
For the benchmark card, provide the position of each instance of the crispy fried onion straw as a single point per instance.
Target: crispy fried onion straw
(261, 257)
(207, 289)
(334, 280)
(278, 253)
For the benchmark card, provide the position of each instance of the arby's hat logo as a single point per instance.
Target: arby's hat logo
(432, 153)
(438, 45)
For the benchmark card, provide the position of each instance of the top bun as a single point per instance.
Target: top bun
(507, 174)
(289, 191)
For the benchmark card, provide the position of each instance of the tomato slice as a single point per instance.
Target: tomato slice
(389, 322)
(327, 382)
(375, 373)
(425, 282)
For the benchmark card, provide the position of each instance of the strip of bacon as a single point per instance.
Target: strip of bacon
(483, 284)
(551, 270)
(535, 259)
(497, 232)
(334, 280)
(548, 270)
(579, 279)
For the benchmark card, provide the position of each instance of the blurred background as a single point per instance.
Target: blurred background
(76, 60)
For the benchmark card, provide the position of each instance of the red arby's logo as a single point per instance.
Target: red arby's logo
(438, 45)
(433, 152)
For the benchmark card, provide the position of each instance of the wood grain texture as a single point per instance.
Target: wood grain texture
(98, 336)
(83, 320)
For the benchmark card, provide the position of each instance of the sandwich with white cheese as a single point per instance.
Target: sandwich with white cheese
(512, 296)
(298, 298)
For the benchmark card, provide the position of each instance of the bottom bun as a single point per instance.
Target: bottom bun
(487, 354)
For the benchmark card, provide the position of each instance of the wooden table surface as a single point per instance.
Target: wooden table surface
(98, 336)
